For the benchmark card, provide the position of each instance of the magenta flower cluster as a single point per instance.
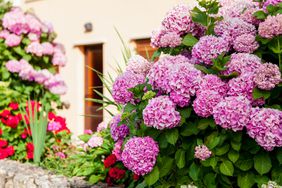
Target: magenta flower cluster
(161, 113)
(271, 27)
(140, 155)
(271, 2)
(202, 152)
(138, 65)
(265, 127)
(267, 76)
(118, 132)
(54, 83)
(123, 83)
(209, 47)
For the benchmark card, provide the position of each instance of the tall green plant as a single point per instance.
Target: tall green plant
(37, 120)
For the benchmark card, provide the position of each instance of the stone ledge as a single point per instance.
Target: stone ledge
(18, 175)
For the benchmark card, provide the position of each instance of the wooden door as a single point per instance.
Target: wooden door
(93, 59)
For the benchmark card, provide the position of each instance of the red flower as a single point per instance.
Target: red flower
(10, 150)
(109, 181)
(116, 173)
(3, 143)
(51, 116)
(29, 150)
(5, 114)
(11, 121)
(3, 154)
(135, 177)
(25, 133)
(110, 160)
(1, 132)
(14, 106)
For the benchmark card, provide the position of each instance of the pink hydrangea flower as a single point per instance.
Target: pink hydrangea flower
(34, 24)
(231, 28)
(205, 101)
(59, 59)
(124, 82)
(42, 76)
(160, 72)
(118, 132)
(88, 131)
(271, 27)
(234, 8)
(138, 65)
(140, 155)
(243, 86)
(267, 76)
(213, 83)
(246, 43)
(202, 152)
(248, 16)
(162, 38)
(61, 155)
(13, 66)
(4, 34)
(209, 47)
(232, 113)
(102, 126)
(178, 19)
(117, 151)
(35, 48)
(15, 21)
(95, 141)
(161, 113)
(26, 71)
(56, 85)
(47, 48)
(184, 81)
(265, 127)
(54, 126)
(243, 63)
(13, 40)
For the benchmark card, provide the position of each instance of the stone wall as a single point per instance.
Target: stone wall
(17, 175)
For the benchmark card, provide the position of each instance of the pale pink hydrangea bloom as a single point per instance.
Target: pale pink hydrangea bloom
(140, 155)
(234, 8)
(102, 126)
(271, 27)
(88, 131)
(61, 155)
(95, 141)
(59, 59)
(246, 43)
(265, 127)
(34, 24)
(138, 65)
(267, 76)
(56, 85)
(202, 152)
(35, 48)
(48, 48)
(209, 47)
(13, 40)
(161, 113)
(26, 72)
(117, 151)
(4, 34)
(15, 21)
(232, 113)
(162, 38)
(42, 76)
(54, 126)
(213, 83)
(13, 66)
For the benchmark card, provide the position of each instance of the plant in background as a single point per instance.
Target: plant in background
(209, 112)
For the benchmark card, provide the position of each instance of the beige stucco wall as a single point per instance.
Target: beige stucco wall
(133, 18)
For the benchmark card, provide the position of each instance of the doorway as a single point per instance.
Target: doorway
(93, 60)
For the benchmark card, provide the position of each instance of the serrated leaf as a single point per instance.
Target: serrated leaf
(189, 40)
(226, 168)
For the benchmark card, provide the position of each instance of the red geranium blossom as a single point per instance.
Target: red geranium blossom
(110, 160)
(29, 150)
(3, 143)
(10, 150)
(1, 132)
(135, 177)
(116, 173)
(11, 121)
(14, 106)
(3, 154)
(5, 114)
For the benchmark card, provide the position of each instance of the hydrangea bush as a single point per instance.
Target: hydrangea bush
(206, 109)
(29, 71)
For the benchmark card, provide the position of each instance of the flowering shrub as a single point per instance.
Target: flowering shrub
(209, 111)
(29, 65)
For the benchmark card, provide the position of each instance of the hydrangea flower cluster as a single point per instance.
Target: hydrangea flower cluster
(246, 43)
(202, 152)
(127, 80)
(232, 113)
(265, 127)
(54, 83)
(160, 113)
(140, 155)
(208, 48)
(176, 23)
(271, 2)
(271, 27)
(267, 76)
(138, 65)
(118, 132)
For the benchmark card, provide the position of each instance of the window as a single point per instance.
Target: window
(143, 47)
(93, 60)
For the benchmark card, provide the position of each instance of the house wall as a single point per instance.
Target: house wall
(133, 19)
